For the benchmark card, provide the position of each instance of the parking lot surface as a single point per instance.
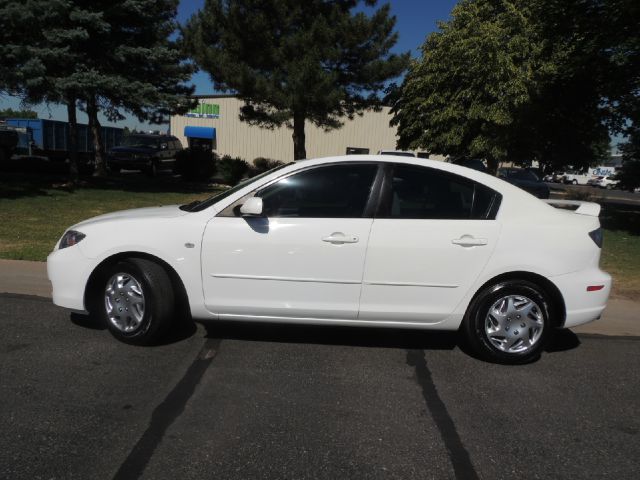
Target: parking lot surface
(262, 401)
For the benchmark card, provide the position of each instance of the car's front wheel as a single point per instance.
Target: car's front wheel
(152, 169)
(135, 298)
(509, 322)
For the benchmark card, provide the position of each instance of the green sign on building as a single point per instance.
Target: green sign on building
(205, 110)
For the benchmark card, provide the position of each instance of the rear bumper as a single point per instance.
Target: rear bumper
(583, 306)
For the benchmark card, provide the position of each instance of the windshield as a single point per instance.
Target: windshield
(198, 206)
(523, 175)
(141, 141)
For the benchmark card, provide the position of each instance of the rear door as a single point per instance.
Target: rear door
(433, 236)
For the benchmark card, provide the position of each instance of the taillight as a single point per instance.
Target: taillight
(597, 237)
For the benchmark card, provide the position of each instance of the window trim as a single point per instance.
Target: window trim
(386, 195)
(370, 207)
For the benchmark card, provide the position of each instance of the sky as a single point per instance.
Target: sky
(415, 20)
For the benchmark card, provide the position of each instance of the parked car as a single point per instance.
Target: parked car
(475, 164)
(576, 178)
(145, 152)
(526, 180)
(558, 176)
(607, 181)
(370, 240)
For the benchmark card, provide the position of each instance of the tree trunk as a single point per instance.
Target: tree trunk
(73, 140)
(98, 147)
(492, 165)
(299, 150)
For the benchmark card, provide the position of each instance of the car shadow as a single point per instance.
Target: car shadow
(333, 335)
(562, 340)
(88, 321)
(408, 339)
(181, 329)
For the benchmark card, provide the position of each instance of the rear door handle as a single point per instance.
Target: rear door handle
(340, 238)
(469, 241)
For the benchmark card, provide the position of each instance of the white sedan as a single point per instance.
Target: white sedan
(375, 241)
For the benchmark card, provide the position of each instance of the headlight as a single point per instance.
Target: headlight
(70, 238)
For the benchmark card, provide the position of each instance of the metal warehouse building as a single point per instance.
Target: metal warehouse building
(216, 121)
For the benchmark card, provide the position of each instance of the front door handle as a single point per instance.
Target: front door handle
(469, 241)
(338, 238)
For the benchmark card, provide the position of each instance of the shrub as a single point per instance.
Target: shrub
(195, 164)
(232, 170)
(261, 165)
(629, 175)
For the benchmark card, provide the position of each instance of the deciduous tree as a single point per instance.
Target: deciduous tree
(520, 80)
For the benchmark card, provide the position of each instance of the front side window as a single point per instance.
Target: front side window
(336, 191)
(424, 193)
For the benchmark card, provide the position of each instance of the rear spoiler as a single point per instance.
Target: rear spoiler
(583, 208)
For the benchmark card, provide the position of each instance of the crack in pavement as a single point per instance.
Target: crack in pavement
(460, 460)
(166, 413)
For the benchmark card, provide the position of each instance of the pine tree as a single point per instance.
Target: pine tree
(113, 56)
(293, 61)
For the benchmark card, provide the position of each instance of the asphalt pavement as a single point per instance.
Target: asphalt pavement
(267, 401)
(238, 401)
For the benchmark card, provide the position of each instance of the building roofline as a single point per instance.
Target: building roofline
(219, 95)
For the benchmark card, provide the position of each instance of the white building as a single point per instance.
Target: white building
(216, 120)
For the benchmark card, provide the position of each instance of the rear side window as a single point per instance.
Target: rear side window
(424, 193)
(336, 191)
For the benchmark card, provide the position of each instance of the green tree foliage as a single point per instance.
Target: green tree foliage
(111, 55)
(293, 61)
(630, 172)
(519, 80)
(11, 113)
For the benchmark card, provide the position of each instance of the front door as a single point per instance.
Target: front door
(304, 258)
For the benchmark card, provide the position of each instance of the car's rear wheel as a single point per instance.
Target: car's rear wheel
(509, 322)
(575, 182)
(135, 298)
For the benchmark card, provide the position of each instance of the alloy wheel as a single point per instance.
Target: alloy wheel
(124, 302)
(514, 324)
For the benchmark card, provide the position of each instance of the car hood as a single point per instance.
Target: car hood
(169, 211)
(123, 149)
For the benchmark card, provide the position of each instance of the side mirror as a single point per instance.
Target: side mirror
(252, 207)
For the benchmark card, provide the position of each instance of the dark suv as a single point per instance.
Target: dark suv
(526, 180)
(145, 152)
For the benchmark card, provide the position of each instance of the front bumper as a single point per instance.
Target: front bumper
(130, 163)
(69, 270)
(583, 306)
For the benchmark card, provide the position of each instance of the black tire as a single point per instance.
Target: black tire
(476, 322)
(575, 182)
(157, 295)
(114, 169)
(152, 170)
